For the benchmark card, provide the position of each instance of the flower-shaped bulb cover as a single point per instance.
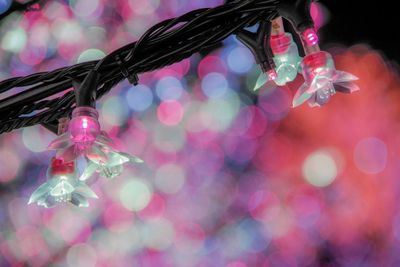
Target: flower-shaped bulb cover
(322, 80)
(113, 165)
(286, 58)
(83, 130)
(263, 78)
(84, 138)
(62, 186)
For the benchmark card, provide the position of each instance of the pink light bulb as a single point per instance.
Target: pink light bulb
(317, 64)
(84, 126)
(310, 37)
(84, 123)
(310, 41)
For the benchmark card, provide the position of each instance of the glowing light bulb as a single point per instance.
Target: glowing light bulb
(310, 37)
(84, 126)
(84, 123)
(264, 78)
(100, 152)
(310, 41)
(322, 80)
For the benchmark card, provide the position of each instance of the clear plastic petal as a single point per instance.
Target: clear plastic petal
(61, 142)
(132, 158)
(117, 158)
(111, 172)
(261, 80)
(84, 190)
(322, 96)
(343, 76)
(346, 87)
(301, 95)
(68, 154)
(104, 139)
(312, 103)
(96, 155)
(286, 73)
(90, 169)
(47, 202)
(319, 83)
(62, 188)
(42, 191)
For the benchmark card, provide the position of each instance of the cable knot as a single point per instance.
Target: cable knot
(132, 77)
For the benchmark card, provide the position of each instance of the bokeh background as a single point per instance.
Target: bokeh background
(231, 178)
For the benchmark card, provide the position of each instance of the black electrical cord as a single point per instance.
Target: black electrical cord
(163, 44)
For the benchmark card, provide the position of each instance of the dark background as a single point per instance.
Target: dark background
(372, 22)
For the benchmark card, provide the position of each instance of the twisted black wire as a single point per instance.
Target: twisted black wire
(163, 44)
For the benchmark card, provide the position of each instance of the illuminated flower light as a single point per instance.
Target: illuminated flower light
(84, 138)
(62, 186)
(286, 58)
(322, 80)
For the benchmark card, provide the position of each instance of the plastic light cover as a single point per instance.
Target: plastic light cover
(263, 78)
(62, 186)
(286, 58)
(108, 161)
(322, 80)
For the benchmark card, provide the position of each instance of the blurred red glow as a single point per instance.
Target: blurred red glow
(211, 64)
(155, 209)
(117, 217)
(170, 112)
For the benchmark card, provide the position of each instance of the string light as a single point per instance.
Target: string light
(83, 140)
(321, 79)
(170, 41)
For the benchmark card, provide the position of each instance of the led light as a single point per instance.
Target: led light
(62, 186)
(310, 37)
(84, 123)
(82, 132)
(322, 80)
(286, 58)
(84, 126)
(84, 138)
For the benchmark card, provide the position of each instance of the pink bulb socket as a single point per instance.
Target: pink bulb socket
(310, 41)
(84, 126)
(280, 43)
(310, 37)
(317, 64)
